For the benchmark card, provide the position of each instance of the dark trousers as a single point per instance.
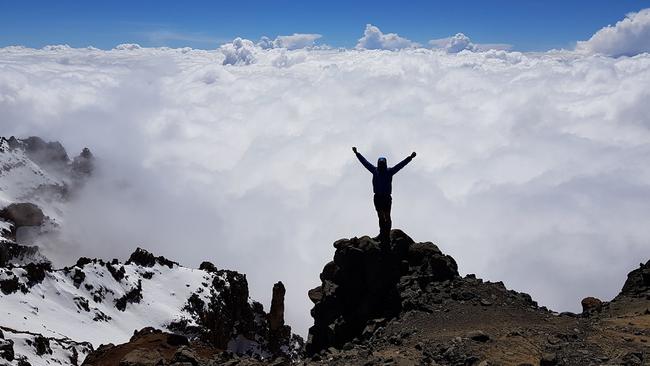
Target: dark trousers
(382, 205)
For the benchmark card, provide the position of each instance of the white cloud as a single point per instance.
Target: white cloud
(531, 168)
(374, 39)
(128, 47)
(292, 42)
(460, 42)
(265, 43)
(296, 41)
(239, 51)
(629, 37)
(56, 47)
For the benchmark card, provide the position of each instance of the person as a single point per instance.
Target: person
(382, 185)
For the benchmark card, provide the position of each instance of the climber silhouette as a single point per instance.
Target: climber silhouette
(382, 184)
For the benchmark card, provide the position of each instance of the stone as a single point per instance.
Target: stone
(23, 214)
(478, 336)
(548, 359)
(591, 304)
(142, 357)
(208, 267)
(186, 355)
(315, 294)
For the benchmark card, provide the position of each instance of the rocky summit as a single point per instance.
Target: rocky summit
(367, 281)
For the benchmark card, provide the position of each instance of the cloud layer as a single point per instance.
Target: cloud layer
(629, 37)
(531, 168)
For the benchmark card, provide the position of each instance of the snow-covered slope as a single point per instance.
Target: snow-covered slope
(100, 302)
(106, 302)
(18, 347)
(21, 178)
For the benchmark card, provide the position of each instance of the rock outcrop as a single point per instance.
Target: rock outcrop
(23, 214)
(638, 281)
(363, 284)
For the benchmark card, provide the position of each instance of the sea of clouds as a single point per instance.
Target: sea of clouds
(532, 168)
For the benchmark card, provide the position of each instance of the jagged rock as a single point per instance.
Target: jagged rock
(74, 356)
(638, 281)
(82, 261)
(47, 153)
(42, 345)
(278, 332)
(23, 214)
(78, 277)
(9, 285)
(36, 272)
(362, 284)
(118, 274)
(84, 164)
(133, 295)
(7, 349)
(208, 267)
(144, 258)
(591, 304)
(315, 294)
(12, 253)
(276, 314)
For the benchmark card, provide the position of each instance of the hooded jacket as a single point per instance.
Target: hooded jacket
(382, 175)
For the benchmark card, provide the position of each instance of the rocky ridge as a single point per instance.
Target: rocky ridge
(405, 304)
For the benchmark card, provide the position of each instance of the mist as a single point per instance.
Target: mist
(531, 168)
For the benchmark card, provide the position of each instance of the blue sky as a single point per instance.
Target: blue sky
(527, 25)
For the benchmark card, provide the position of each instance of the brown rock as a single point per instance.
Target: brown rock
(23, 214)
(142, 357)
(590, 304)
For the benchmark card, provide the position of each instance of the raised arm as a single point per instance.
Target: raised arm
(371, 168)
(402, 164)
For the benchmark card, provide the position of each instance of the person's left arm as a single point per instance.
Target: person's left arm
(402, 163)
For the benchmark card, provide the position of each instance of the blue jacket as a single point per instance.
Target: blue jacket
(382, 176)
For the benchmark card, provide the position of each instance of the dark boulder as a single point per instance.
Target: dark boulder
(208, 267)
(591, 304)
(23, 214)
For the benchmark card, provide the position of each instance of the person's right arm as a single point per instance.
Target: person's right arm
(371, 168)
